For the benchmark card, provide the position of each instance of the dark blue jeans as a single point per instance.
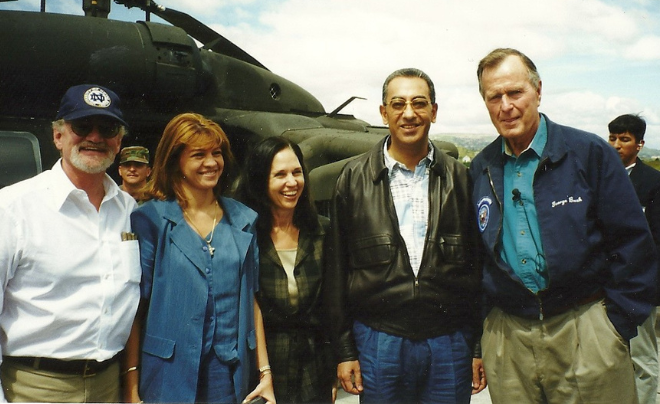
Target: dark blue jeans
(399, 370)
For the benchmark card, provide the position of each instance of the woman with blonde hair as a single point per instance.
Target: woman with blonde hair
(203, 336)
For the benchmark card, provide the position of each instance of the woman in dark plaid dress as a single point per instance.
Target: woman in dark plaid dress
(290, 236)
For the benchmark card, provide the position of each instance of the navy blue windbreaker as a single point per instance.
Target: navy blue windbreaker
(593, 231)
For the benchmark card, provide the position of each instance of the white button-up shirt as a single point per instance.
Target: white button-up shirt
(70, 284)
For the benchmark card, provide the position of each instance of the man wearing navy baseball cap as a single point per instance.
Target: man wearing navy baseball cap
(70, 264)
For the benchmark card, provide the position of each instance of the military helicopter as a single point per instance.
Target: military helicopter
(159, 70)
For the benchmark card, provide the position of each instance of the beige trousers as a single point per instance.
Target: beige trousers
(644, 352)
(574, 357)
(23, 384)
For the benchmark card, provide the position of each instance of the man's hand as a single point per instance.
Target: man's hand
(350, 376)
(478, 376)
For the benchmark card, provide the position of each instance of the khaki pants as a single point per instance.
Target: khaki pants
(574, 357)
(23, 384)
(644, 351)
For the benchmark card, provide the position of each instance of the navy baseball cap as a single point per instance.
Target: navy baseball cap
(89, 100)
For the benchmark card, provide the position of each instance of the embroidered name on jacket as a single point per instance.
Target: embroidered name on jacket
(565, 201)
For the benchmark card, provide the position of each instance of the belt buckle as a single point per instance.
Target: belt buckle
(87, 372)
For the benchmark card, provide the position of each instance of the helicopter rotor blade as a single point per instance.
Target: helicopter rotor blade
(195, 28)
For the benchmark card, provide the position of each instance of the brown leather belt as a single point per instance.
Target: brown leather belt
(80, 367)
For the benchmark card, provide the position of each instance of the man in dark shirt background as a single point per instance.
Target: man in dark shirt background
(627, 137)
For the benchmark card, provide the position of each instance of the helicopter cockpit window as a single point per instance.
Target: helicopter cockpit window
(19, 157)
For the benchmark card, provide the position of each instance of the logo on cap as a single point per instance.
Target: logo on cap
(96, 97)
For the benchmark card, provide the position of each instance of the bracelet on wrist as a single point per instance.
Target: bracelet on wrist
(264, 373)
(264, 368)
(129, 370)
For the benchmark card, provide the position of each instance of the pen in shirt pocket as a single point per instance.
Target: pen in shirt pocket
(127, 236)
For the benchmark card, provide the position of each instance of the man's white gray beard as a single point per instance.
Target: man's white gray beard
(99, 166)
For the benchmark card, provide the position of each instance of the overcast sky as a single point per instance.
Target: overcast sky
(597, 58)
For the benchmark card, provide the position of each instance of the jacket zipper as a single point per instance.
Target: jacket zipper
(430, 225)
(543, 164)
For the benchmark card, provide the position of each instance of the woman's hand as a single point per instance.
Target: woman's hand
(264, 389)
(130, 386)
(131, 397)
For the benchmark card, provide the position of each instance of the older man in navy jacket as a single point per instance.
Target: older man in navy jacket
(570, 266)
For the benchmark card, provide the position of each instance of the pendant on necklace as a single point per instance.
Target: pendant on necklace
(192, 224)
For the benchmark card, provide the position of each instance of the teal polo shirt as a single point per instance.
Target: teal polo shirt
(521, 244)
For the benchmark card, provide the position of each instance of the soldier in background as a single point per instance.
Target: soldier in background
(134, 170)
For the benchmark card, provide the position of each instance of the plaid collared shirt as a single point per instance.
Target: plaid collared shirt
(298, 349)
(410, 193)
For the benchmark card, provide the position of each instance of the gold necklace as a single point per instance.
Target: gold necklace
(208, 241)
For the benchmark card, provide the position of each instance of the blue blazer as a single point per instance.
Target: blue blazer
(175, 288)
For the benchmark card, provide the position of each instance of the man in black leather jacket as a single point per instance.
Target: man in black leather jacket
(402, 280)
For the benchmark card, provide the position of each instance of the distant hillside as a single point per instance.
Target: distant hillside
(649, 154)
(471, 144)
(468, 144)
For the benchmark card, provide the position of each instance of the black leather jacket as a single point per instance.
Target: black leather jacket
(368, 274)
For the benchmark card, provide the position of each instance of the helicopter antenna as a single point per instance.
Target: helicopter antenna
(196, 29)
(339, 108)
(96, 8)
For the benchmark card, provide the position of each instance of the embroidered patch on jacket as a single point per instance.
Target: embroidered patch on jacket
(483, 211)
